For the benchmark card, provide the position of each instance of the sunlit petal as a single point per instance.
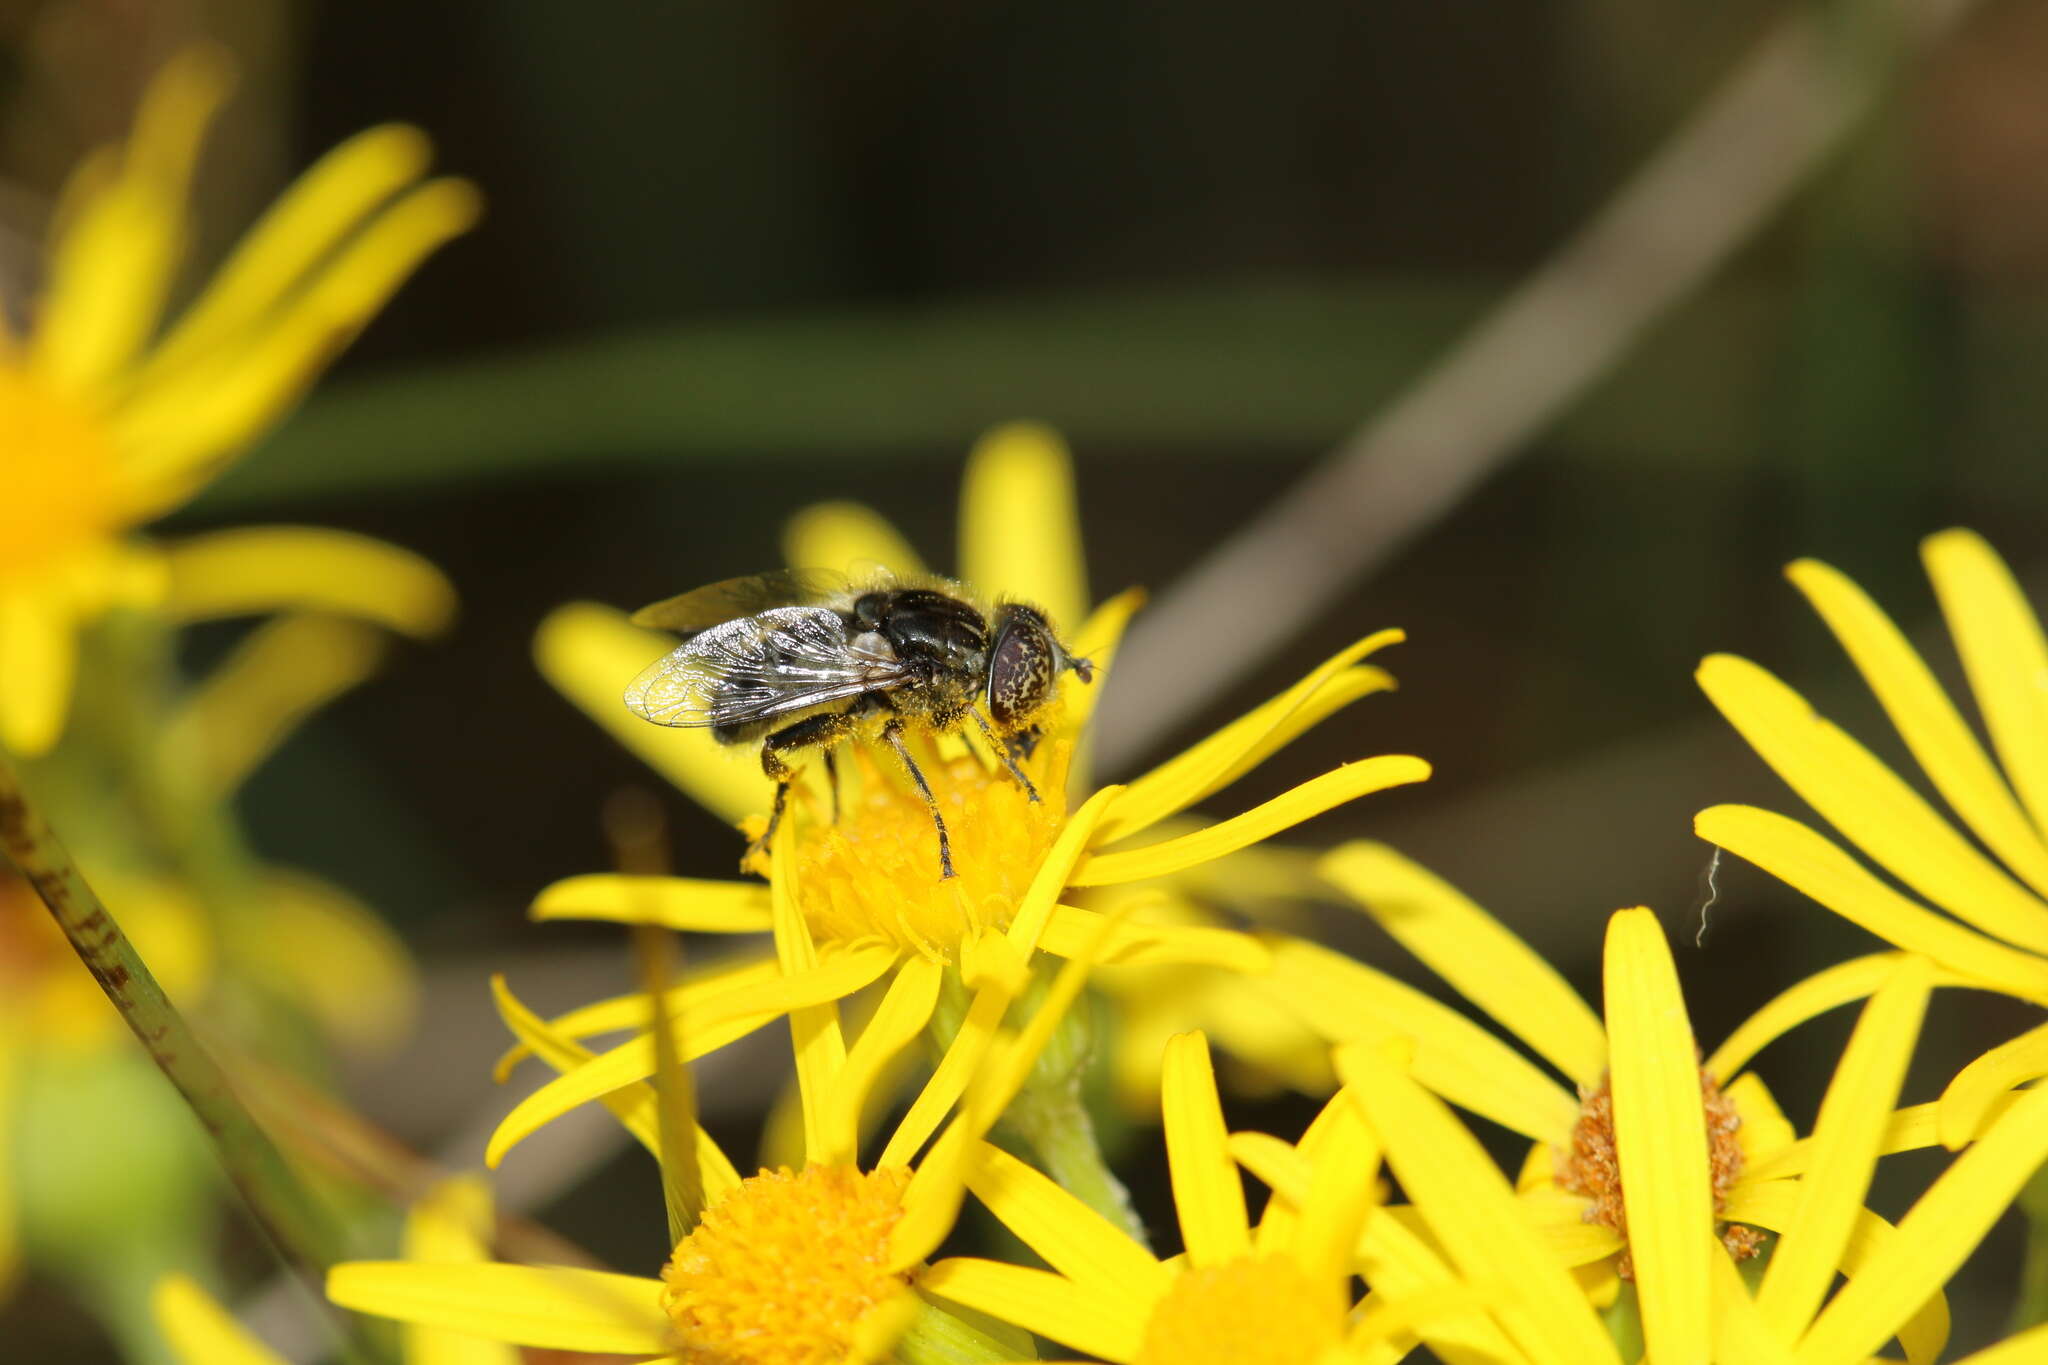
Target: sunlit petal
(545, 1306)
(1808, 862)
(849, 538)
(1739, 1331)
(1845, 1142)
(1102, 1323)
(38, 658)
(1934, 1237)
(1808, 999)
(1984, 1083)
(1020, 532)
(896, 1023)
(1926, 719)
(199, 1331)
(1660, 1138)
(1869, 804)
(1304, 802)
(1475, 954)
(590, 653)
(1207, 1190)
(1072, 1238)
(452, 1224)
(1126, 944)
(259, 569)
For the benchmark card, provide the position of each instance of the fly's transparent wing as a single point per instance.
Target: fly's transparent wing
(763, 666)
(717, 603)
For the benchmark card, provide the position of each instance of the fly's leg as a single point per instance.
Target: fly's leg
(892, 735)
(1008, 750)
(807, 733)
(832, 780)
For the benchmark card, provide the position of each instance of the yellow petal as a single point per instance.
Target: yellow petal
(1926, 719)
(1343, 1188)
(1773, 1205)
(849, 538)
(544, 1306)
(269, 568)
(180, 430)
(1207, 1191)
(113, 262)
(636, 1106)
(1102, 1323)
(1660, 1138)
(813, 1028)
(1805, 860)
(1816, 995)
(1740, 1332)
(681, 903)
(1845, 1142)
(452, 1224)
(897, 1021)
(1020, 533)
(590, 653)
(1346, 1001)
(1071, 929)
(1906, 1130)
(949, 1079)
(1073, 1239)
(2000, 641)
(700, 1031)
(1475, 954)
(1398, 1262)
(1870, 805)
(1304, 802)
(1765, 1129)
(284, 671)
(1056, 872)
(38, 658)
(1097, 641)
(306, 223)
(630, 1011)
(1969, 1098)
(2026, 1348)
(336, 959)
(1934, 1237)
(201, 1332)
(1213, 763)
(1472, 1214)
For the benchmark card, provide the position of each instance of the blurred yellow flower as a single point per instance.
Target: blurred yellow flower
(805, 1266)
(113, 419)
(451, 1225)
(1696, 1149)
(1278, 1293)
(866, 882)
(2001, 899)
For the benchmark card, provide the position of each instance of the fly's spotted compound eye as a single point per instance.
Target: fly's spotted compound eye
(1021, 667)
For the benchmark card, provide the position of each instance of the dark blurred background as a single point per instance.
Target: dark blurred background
(739, 257)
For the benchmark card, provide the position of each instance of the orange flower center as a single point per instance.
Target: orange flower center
(1592, 1169)
(59, 478)
(874, 872)
(782, 1270)
(1248, 1312)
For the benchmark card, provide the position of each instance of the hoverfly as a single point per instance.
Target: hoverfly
(804, 659)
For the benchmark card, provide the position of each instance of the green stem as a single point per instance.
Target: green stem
(1055, 1123)
(2033, 1298)
(302, 1229)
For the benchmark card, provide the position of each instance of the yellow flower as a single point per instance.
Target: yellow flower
(866, 882)
(452, 1225)
(809, 1266)
(1649, 1120)
(1277, 1293)
(2002, 898)
(113, 419)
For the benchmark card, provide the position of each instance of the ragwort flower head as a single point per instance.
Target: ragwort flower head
(867, 882)
(1674, 1179)
(1274, 1293)
(808, 1265)
(1997, 886)
(113, 419)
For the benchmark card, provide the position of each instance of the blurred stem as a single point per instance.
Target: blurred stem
(304, 1231)
(1624, 1322)
(2033, 1297)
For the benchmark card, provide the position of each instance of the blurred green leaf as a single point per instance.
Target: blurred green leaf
(1237, 368)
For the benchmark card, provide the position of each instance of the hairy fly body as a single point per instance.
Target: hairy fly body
(801, 660)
